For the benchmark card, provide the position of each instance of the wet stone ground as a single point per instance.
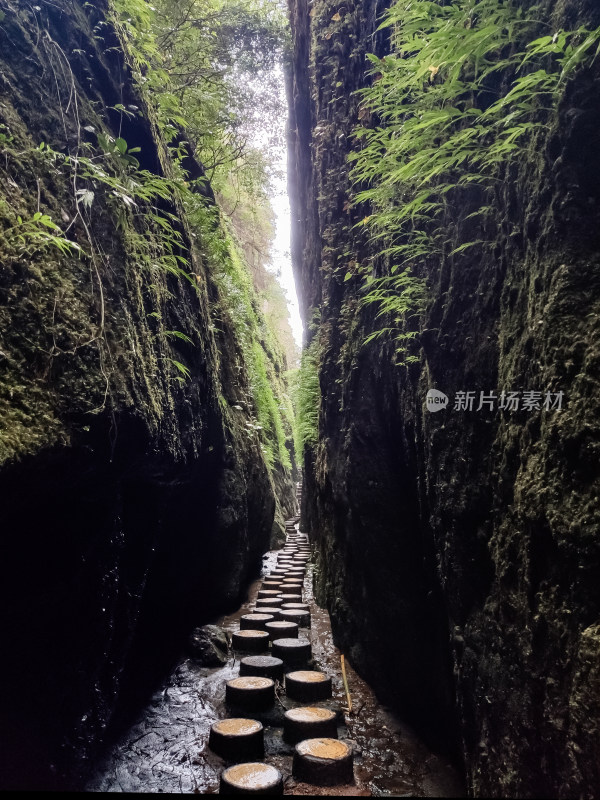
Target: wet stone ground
(166, 750)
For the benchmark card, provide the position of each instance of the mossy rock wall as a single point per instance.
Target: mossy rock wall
(135, 504)
(458, 552)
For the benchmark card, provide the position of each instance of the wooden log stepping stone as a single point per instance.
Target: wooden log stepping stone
(282, 629)
(268, 593)
(255, 622)
(262, 667)
(296, 605)
(290, 598)
(272, 602)
(308, 686)
(275, 583)
(237, 739)
(251, 692)
(292, 651)
(323, 762)
(297, 615)
(290, 588)
(278, 573)
(251, 778)
(309, 722)
(250, 641)
(274, 611)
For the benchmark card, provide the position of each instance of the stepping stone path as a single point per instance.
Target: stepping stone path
(281, 615)
(190, 738)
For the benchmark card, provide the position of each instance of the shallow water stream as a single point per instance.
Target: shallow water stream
(166, 749)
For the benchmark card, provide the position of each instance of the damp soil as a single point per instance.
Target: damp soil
(166, 750)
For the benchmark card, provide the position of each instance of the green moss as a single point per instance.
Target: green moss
(267, 412)
(307, 396)
(94, 331)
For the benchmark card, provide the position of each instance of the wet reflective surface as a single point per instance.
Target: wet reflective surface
(166, 750)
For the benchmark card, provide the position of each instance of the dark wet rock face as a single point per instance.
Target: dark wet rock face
(458, 552)
(208, 646)
(132, 510)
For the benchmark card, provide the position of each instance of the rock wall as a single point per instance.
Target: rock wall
(135, 505)
(458, 551)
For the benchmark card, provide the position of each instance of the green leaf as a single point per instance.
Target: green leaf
(181, 367)
(178, 335)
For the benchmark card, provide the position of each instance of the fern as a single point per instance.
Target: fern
(445, 126)
(306, 393)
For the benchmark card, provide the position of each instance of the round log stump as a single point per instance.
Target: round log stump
(251, 778)
(308, 722)
(308, 686)
(262, 667)
(273, 602)
(250, 641)
(255, 622)
(297, 615)
(282, 629)
(293, 652)
(237, 739)
(251, 692)
(297, 606)
(323, 762)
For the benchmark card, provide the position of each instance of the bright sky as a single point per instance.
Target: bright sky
(282, 261)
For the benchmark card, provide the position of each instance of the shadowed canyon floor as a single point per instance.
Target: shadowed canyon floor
(166, 750)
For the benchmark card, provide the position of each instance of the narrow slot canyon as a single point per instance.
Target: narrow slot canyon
(299, 397)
